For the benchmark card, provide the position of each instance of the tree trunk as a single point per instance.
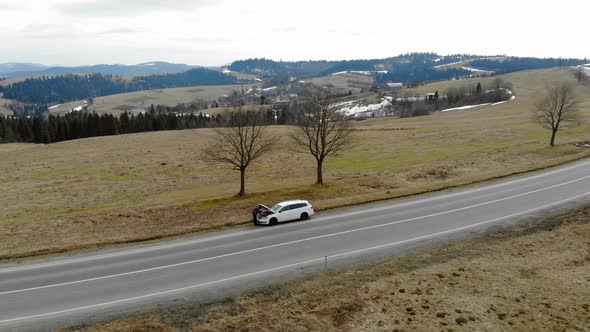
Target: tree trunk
(553, 132)
(320, 179)
(242, 182)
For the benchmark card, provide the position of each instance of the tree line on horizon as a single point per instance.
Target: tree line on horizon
(90, 124)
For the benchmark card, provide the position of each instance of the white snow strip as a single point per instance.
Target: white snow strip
(449, 64)
(464, 107)
(475, 70)
(55, 106)
(473, 106)
(270, 88)
(227, 71)
(257, 79)
(362, 72)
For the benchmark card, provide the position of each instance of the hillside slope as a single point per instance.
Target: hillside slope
(106, 190)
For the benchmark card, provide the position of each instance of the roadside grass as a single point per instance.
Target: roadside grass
(128, 188)
(532, 277)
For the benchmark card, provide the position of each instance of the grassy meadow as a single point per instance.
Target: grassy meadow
(345, 82)
(3, 109)
(108, 190)
(142, 99)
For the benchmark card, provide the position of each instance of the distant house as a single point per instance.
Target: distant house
(281, 103)
(393, 85)
(136, 111)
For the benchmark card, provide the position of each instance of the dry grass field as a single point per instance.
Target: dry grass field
(100, 191)
(528, 279)
(4, 110)
(115, 104)
(172, 97)
(345, 82)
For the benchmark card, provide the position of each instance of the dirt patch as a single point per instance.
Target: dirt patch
(535, 277)
(125, 108)
(195, 90)
(141, 99)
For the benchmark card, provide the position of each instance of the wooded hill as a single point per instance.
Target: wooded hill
(60, 89)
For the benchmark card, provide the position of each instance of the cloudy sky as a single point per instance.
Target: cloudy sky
(215, 32)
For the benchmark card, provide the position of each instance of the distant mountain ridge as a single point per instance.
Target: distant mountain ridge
(147, 68)
(6, 69)
(409, 67)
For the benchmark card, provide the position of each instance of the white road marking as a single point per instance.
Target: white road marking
(291, 265)
(217, 237)
(290, 242)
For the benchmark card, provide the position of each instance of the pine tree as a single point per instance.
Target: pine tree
(478, 89)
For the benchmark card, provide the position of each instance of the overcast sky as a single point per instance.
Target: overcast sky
(215, 32)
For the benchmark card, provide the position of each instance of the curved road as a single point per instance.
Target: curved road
(57, 292)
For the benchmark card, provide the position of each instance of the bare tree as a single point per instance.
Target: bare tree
(558, 109)
(580, 75)
(244, 140)
(322, 131)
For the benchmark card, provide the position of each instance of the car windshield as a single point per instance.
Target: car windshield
(277, 207)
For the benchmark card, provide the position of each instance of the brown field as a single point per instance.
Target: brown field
(172, 97)
(344, 82)
(100, 191)
(115, 104)
(4, 110)
(532, 278)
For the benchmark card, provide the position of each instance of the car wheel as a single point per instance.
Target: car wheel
(304, 216)
(274, 221)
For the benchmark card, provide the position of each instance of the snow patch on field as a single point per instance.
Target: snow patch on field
(351, 108)
(55, 106)
(226, 71)
(270, 88)
(475, 70)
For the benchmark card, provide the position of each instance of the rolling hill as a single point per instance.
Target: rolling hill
(156, 67)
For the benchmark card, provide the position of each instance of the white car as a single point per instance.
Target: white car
(285, 211)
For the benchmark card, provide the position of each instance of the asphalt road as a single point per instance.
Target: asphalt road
(74, 289)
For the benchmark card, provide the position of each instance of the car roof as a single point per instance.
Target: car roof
(293, 201)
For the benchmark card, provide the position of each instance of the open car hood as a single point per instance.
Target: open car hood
(265, 210)
(266, 207)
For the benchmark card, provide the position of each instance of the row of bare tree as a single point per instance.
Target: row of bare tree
(320, 131)
(323, 132)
